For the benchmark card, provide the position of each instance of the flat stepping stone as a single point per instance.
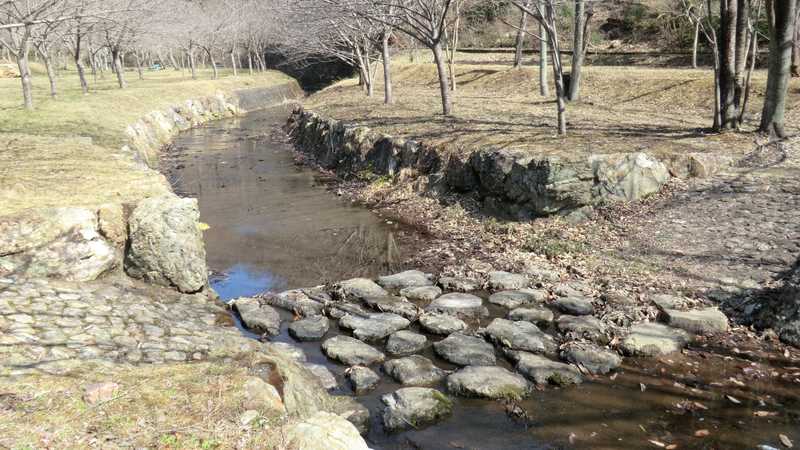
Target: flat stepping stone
(586, 327)
(533, 315)
(490, 382)
(404, 342)
(653, 339)
(424, 294)
(459, 284)
(442, 324)
(257, 317)
(357, 289)
(409, 278)
(595, 359)
(667, 301)
(576, 306)
(296, 301)
(460, 305)
(290, 351)
(351, 352)
(698, 321)
(309, 329)
(362, 379)
(506, 281)
(323, 374)
(340, 310)
(392, 304)
(375, 327)
(466, 350)
(414, 370)
(572, 289)
(519, 336)
(515, 299)
(414, 407)
(542, 370)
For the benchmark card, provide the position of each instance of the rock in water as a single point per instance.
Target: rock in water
(351, 351)
(466, 350)
(414, 370)
(490, 382)
(459, 284)
(534, 315)
(700, 321)
(460, 305)
(395, 305)
(505, 281)
(421, 293)
(515, 299)
(363, 379)
(166, 245)
(583, 327)
(519, 336)
(374, 327)
(575, 305)
(595, 359)
(414, 407)
(405, 342)
(402, 280)
(654, 339)
(542, 370)
(323, 374)
(441, 323)
(257, 317)
(358, 288)
(324, 431)
(309, 329)
(295, 301)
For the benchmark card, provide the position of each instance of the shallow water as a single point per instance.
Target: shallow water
(274, 225)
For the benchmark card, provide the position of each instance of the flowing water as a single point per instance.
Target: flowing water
(274, 225)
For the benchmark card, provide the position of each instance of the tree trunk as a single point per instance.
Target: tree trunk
(577, 51)
(742, 18)
(25, 74)
(250, 62)
(695, 43)
(388, 95)
(81, 73)
(796, 47)
(753, 57)
(139, 65)
(520, 41)
(727, 72)
(451, 63)
(172, 61)
(438, 57)
(544, 88)
(214, 73)
(51, 73)
(192, 65)
(781, 16)
(233, 64)
(117, 61)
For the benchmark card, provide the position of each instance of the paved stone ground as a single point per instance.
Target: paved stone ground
(55, 326)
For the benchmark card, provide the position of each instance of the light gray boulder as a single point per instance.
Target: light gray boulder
(423, 294)
(459, 284)
(311, 328)
(490, 382)
(357, 289)
(576, 306)
(466, 350)
(653, 339)
(583, 327)
(442, 324)
(515, 299)
(296, 301)
(626, 176)
(404, 342)
(351, 352)
(409, 278)
(460, 305)
(362, 379)
(392, 304)
(257, 317)
(698, 321)
(506, 281)
(414, 407)
(414, 370)
(326, 378)
(519, 336)
(374, 327)
(593, 358)
(542, 370)
(324, 431)
(534, 314)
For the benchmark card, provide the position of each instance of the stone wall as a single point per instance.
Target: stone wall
(514, 182)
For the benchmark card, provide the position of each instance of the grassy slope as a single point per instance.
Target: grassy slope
(65, 152)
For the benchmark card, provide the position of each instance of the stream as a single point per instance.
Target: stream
(276, 225)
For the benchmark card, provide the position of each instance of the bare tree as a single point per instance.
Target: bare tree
(519, 41)
(579, 45)
(781, 17)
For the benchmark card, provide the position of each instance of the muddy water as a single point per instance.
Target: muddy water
(274, 225)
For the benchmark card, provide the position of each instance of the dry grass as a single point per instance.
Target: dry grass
(663, 111)
(66, 151)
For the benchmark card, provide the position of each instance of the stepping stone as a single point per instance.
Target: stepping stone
(459, 284)
(539, 276)
(460, 305)
(466, 350)
(533, 315)
(543, 371)
(576, 306)
(505, 281)
(363, 379)
(515, 299)
(323, 374)
(351, 352)
(288, 350)
(654, 339)
(295, 301)
(666, 301)
(443, 324)
(405, 342)
(595, 359)
(340, 310)
(375, 327)
(572, 289)
(414, 407)
(357, 289)
(414, 370)
(309, 329)
(490, 382)
(586, 327)
(519, 336)
(424, 294)
(396, 305)
(698, 321)
(257, 317)
(402, 280)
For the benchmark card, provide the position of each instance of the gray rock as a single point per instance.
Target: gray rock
(405, 342)
(790, 333)
(262, 396)
(414, 407)
(363, 379)
(572, 289)
(424, 294)
(460, 305)
(519, 336)
(309, 329)
(166, 245)
(577, 306)
(442, 324)
(666, 301)
(402, 280)
(323, 374)
(699, 321)
(248, 417)
(490, 382)
(465, 350)
(339, 310)
(505, 281)
(534, 315)
(414, 370)
(324, 431)
(288, 350)
(358, 288)
(296, 301)
(396, 305)
(351, 352)
(543, 371)
(583, 327)
(257, 317)
(626, 176)
(595, 359)
(375, 327)
(653, 339)
(515, 299)
(459, 284)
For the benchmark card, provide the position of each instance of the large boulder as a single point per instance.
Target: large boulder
(466, 350)
(257, 317)
(415, 407)
(414, 370)
(490, 382)
(627, 176)
(519, 336)
(653, 339)
(699, 321)
(324, 431)
(407, 279)
(459, 304)
(351, 351)
(309, 329)
(166, 245)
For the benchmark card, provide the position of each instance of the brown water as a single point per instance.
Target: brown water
(274, 225)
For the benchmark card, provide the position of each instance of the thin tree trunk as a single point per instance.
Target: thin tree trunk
(388, 95)
(451, 64)
(117, 61)
(172, 61)
(781, 16)
(438, 57)
(51, 73)
(727, 73)
(742, 18)
(753, 56)
(139, 65)
(577, 51)
(214, 72)
(192, 65)
(544, 88)
(520, 41)
(796, 47)
(250, 62)
(695, 43)
(25, 74)
(233, 64)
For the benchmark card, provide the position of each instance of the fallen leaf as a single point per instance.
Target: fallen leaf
(614, 376)
(785, 441)
(733, 399)
(765, 413)
(701, 433)
(657, 443)
(572, 437)
(642, 387)
(202, 226)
